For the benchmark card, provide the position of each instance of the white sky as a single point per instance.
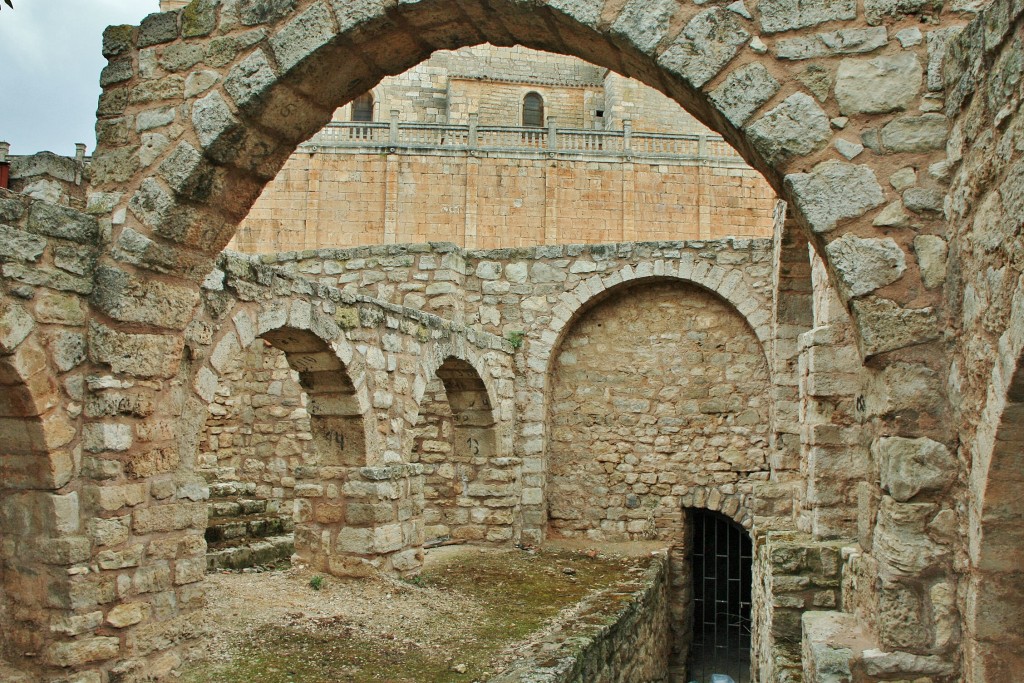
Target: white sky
(50, 64)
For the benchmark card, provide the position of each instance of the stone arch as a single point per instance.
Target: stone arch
(995, 590)
(233, 136)
(726, 284)
(471, 487)
(638, 413)
(329, 373)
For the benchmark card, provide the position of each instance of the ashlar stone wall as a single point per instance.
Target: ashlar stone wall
(490, 201)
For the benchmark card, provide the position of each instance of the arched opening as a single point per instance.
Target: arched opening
(655, 389)
(470, 491)
(284, 419)
(362, 108)
(721, 562)
(995, 613)
(533, 110)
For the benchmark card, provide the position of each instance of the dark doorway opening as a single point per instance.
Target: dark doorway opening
(722, 563)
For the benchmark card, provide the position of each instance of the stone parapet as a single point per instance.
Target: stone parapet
(617, 635)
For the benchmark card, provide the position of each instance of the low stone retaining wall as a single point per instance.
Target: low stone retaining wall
(620, 635)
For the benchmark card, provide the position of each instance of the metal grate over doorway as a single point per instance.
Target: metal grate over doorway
(722, 579)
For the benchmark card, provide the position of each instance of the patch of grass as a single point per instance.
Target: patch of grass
(317, 582)
(514, 594)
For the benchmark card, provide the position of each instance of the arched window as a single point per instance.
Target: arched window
(362, 108)
(533, 110)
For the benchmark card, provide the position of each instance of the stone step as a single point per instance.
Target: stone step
(247, 526)
(232, 489)
(264, 551)
(242, 506)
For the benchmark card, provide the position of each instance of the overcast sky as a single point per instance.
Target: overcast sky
(50, 66)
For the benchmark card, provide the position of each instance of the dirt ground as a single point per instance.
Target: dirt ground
(459, 620)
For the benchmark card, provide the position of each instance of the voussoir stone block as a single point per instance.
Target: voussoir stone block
(250, 79)
(707, 44)
(645, 22)
(864, 265)
(217, 128)
(834, 191)
(586, 12)
(744, 91)
(797, 127)
(879, 85)
(787, 15)
(303, 36)
(909, 466)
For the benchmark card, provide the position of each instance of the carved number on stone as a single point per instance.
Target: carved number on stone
(337, 437)
(474, 446)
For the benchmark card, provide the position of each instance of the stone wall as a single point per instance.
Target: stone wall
(327, 199)
(654, 390)
(258, 430)
(620, 635)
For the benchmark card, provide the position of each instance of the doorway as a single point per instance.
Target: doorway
(722, 565)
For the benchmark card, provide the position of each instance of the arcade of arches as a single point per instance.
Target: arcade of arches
(845, 391)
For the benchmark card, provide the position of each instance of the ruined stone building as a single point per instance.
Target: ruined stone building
(511, 308)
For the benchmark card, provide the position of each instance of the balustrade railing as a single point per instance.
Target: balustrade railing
(615, 143)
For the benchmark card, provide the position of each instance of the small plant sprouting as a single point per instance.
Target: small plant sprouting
(317, 582)
(516, 338)
(415, 581)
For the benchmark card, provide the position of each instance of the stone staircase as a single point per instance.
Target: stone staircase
(244, 531)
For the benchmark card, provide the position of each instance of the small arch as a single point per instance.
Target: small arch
(363, 108)
(456, 439)
(533, 110)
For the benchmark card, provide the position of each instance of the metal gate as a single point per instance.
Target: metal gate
(722, 580)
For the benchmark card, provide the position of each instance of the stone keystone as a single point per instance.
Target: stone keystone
(909, 466)
(864, 265)
(834, 191)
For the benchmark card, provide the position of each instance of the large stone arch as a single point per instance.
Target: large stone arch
(274, 74)
(730, 286)
(623, 415)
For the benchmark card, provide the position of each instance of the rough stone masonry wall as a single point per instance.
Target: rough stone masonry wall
(324, 200)
(258, 430)
(653, 391)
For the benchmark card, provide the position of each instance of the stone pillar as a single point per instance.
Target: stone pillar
(360, 520)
